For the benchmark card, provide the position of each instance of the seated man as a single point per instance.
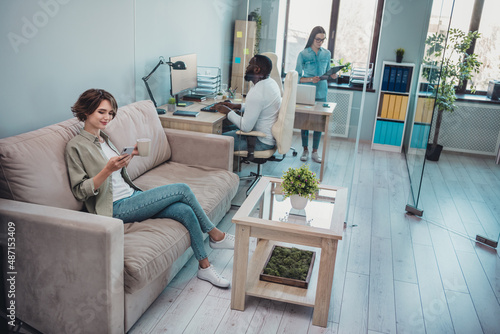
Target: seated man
(260, 111)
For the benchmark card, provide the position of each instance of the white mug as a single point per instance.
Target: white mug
(144, 146)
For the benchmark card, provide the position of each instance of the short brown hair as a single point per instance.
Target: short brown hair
(90, 100)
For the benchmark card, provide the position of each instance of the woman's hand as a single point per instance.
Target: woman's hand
(114, 164)
(117, 163)
(334, 76)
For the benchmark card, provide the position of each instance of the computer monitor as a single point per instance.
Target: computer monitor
(183, 80)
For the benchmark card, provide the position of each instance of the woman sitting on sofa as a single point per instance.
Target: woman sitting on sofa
(99, 178)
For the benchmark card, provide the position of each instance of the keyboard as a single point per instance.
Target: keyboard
(210, 108)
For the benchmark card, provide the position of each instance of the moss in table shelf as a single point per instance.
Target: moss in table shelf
(289, 263)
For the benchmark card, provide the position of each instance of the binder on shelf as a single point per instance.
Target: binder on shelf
(404, 106)
(378, 131)
(399, 135)
(392, 79)
(385, 78)
(419, 111)
(383, 133)
(429, 107)
(399, 75)
(397, 106)
(390, 111)
(385, 106)
(404, 80)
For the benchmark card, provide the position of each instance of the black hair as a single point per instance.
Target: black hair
(316, 30)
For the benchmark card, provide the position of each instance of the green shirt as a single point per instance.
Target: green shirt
(85, 159)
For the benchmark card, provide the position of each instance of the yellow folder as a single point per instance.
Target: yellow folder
(404, 105)
(420, 109)
(385, 106)
(390, 110)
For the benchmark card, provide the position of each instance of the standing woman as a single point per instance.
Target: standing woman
(99, 178)
(312, 63)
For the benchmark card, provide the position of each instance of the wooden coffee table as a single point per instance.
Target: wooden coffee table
(269, 218)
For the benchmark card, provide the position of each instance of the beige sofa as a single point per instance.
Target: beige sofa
(82, 273)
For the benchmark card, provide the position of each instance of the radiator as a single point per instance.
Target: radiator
(471, 128)
(339, 122)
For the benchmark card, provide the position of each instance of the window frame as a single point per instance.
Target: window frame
(475, 20)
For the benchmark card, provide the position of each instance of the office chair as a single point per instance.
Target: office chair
(275, 73)
(282, 131)
(276, 76)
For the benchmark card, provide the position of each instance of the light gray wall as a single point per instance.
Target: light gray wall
(53, 50)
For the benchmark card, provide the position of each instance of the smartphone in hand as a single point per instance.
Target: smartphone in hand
(127, 150)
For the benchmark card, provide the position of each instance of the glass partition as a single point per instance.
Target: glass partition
(422, 108)
(233, 32)
(455, 185)
(334, 117)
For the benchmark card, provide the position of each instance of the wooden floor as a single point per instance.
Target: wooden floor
(395, 273)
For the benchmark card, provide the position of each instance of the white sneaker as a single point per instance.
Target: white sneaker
(304, 156)
(209, 274)
(316, 158)
(226, 243)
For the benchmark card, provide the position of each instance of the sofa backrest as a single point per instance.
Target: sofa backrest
(32, 165)
(140, 120)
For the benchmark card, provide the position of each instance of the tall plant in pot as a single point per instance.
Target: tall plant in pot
(457, 67)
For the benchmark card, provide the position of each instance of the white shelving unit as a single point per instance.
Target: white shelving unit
(392, 106)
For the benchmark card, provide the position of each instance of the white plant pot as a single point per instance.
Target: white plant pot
(298, 202)
(171, 107)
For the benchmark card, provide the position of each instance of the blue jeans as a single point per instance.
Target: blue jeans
(304, 134)
(240, 142)
(175, 201)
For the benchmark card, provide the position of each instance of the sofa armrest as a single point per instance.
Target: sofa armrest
(69, 268)
(203, 149)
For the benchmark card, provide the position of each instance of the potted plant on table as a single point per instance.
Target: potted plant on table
(171, 104)
(457, 67)
(300, 184)
(399, 55)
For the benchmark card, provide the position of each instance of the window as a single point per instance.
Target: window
(347, 23)
(477, 15)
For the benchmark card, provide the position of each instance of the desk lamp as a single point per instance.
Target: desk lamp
(178, 65)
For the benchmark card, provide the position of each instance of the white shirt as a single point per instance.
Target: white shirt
(120, 188)
(260, 111)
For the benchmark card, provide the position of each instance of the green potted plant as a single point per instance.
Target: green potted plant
(171, 104)
(341, 77)
(399, 55)
(457, 66)
(300, 184)
(255, 16)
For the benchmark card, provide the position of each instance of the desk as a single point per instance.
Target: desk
(272, 221)
(307, 117)
(316, 118)
(206, 121)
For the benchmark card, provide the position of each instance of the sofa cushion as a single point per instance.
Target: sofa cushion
(139, 120)
(214, 188)
(33, 169)
(152, 246)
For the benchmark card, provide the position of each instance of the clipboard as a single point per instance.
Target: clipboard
(331, 71)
